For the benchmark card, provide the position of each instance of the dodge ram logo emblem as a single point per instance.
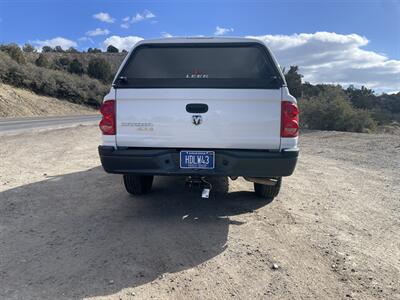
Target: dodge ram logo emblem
(197, 119)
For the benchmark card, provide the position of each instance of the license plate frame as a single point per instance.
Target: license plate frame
(195, 159)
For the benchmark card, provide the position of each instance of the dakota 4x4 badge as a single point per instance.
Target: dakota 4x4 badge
(140, 126)
(197, 119)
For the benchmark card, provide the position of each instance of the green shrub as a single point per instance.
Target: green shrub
(58, 49)
(112, 49)
(46, 49)
(93, 50)
(72, 50)
(75, 67)
(332, 110)
(293, 81)
(15, 52)
(100, 69)
(28, 48)
(62, 63)
(42, 61)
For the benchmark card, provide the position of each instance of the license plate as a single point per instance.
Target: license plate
(197, 160)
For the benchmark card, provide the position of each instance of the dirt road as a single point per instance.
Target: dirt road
(68, 230)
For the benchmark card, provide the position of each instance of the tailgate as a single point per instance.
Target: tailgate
(236, 118)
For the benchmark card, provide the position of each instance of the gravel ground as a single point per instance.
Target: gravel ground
(68, 230)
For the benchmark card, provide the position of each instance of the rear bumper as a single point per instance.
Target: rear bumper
(165, 161)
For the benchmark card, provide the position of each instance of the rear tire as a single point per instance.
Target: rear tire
(268, 192)
(138, 184)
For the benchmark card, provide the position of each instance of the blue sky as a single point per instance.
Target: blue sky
(376, 23)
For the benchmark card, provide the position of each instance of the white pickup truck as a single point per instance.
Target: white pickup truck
(200, 107)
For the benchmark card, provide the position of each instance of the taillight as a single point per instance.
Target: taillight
(289, 119)
(107, 123)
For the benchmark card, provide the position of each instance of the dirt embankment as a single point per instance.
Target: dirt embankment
(69, 230)
(15, 102)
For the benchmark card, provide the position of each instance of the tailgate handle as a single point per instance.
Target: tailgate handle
(197, 108)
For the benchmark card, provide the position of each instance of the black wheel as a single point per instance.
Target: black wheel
(268, 191)
(138, 184)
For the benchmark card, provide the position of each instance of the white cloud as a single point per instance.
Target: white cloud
(86, 39)
(104, 17)
(222, 31)
(137, 18)
(125, 23)
(122, 43)
(97, 32)
(145, 15)
(165, 34)
(58, 41)
(328, 57)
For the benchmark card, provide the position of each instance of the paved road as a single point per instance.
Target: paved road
(12, 125)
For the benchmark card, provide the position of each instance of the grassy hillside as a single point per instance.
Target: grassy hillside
(82, 78)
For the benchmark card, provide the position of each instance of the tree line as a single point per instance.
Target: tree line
(28, 48)
(97, 67)
(333, 107)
